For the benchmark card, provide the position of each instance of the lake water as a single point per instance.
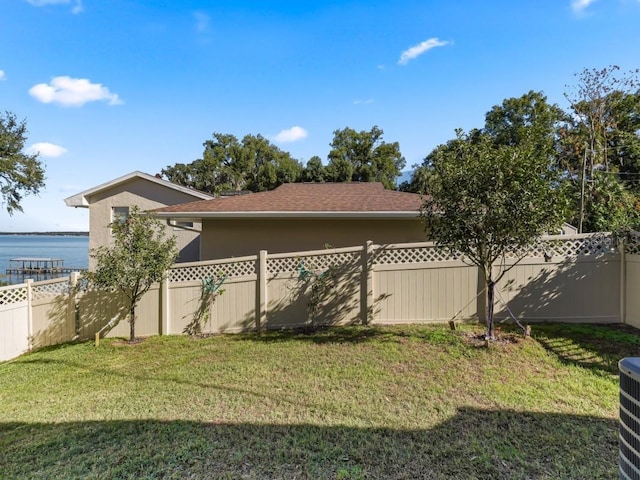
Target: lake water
(73, 250)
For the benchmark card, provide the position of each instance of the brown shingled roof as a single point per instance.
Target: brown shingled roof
(297, 198)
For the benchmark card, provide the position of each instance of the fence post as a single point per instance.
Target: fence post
(261, 317)
(164, 305)
(366, 292)
(72, 316)
(29, 283)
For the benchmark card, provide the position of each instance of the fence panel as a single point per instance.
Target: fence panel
(424, 292)
(184, 298)
(321, 287)
(53, 313)
(96, 308)
(570, 289)
(148, 313)
(421, 283)
(14, 321)
(233, 311)
(633, 290)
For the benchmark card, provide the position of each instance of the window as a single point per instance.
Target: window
(119, 214)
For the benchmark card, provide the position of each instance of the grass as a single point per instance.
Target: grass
(346, 403)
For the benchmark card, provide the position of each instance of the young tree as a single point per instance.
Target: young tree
(139, 257)
(364, 157)
(486, 200)
(20, 174)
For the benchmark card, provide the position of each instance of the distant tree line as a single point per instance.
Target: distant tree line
(594, 148)
(255, 164)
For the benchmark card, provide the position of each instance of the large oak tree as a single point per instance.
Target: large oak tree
(20, 173)
(364, 157)
(228, 164)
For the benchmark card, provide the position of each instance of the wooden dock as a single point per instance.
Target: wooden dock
(38, 266)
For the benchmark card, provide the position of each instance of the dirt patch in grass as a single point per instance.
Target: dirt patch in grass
(128, 343)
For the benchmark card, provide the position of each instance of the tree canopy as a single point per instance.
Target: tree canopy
(529, 118)
(20, 173)
(603, 139)
(364, 157)
(594, 147)
(314, 170)
(253, 164)
(485, 199)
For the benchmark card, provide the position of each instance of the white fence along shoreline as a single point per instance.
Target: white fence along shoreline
(569, 278)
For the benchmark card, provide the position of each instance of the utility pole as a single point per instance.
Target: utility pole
(583, 182)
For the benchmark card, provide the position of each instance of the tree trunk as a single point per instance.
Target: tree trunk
(490, 300)
(132, 324)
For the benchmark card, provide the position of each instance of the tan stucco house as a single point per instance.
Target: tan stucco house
(112, 200)
(301, 216)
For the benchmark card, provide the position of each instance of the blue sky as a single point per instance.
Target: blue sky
(112, 86)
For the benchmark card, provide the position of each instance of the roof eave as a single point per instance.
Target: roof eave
(295, 214)
(80, 199)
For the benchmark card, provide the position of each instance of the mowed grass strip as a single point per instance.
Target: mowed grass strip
(343, 403)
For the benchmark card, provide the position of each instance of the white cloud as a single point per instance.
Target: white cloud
(368, 101)
(3, 76)
(46, 149)
(419, 49)
(72, 92)
(293, 134)
(203, 22)
(77, 4)
(579, 6)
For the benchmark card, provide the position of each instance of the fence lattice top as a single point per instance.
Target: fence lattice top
(198, 272)
(568, 246)
(633, 243)
(50, 289)
(395, 255)
(316, 263)
(547, 247)
(13, 295)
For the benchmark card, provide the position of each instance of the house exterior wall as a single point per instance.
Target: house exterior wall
(223, 238)
(147, 196)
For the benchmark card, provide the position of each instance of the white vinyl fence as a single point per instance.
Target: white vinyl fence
(575, 278)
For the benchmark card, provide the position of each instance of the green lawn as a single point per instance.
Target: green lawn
(347, 403)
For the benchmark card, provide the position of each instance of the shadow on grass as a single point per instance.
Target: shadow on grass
(356, 334)
(596, 347)
(473, 444)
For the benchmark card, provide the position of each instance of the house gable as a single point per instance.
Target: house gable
(147, 193)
